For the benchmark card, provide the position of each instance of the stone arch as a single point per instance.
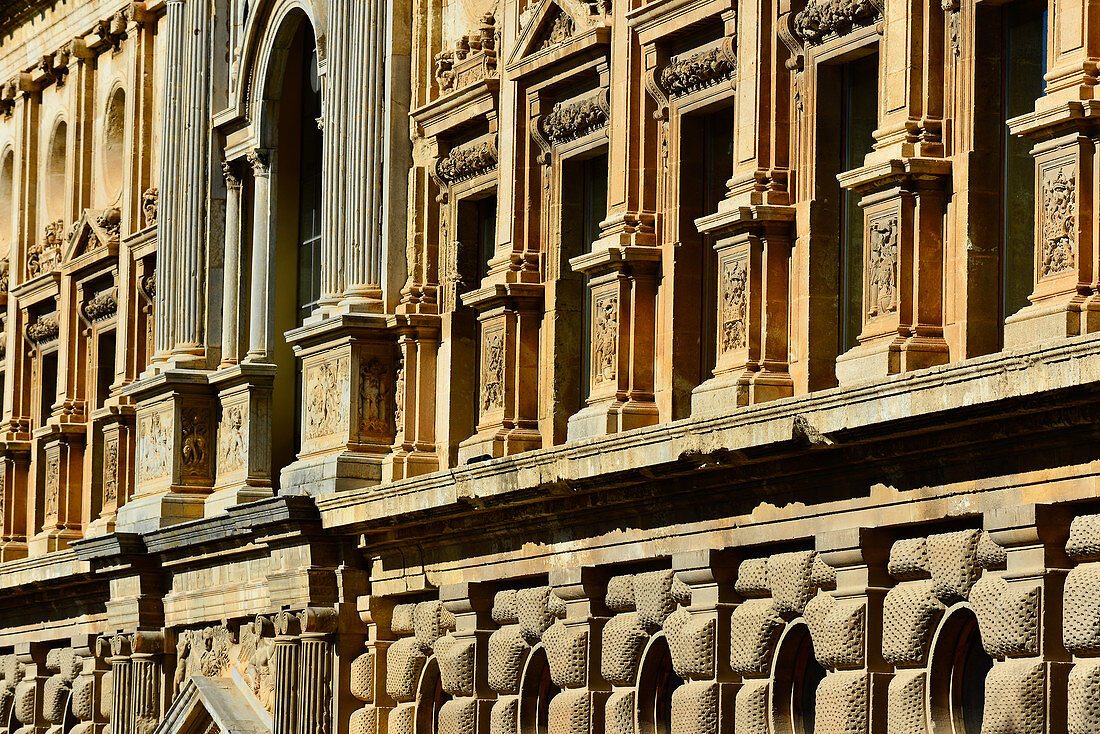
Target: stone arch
(958, 666)
(796, 675)
(7, 196)
(536, 690)
(113, 149)
(54, 190)
(657, 681)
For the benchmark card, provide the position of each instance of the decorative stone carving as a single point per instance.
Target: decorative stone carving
(492, 383)
(46, 256)
(43, 329)
(702, 69)
(327, 387)
(560, 29)
(399, 394)
(150, 204)
(824, 17)
(4, 275)
(734, 306)
(153, 446)
(1059, 238)
(374, 397)
(466, 162)
(101, 306)
(474, 58)
(604, 342)
(195, 443)
(110, 221)
(232, 446)
(53, 484)
(571, 120)
(882, 267)
(110, 471)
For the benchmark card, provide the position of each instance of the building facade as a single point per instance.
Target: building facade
(547, 366)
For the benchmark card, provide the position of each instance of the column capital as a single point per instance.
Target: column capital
(260, 160)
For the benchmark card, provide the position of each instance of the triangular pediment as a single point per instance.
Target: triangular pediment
(550, 24)
(94, 230)
(208, 705)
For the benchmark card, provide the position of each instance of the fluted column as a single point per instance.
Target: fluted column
(121, 682)
(286, 673)
(333, 156)
(315, 684)
(232, 266)
(145, 711)
(260, 343)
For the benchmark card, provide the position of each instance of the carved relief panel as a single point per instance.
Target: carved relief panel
(492, 370)
(1057, 220)
(154, 439)
(326, 398)
(733, 303)
(881, 271)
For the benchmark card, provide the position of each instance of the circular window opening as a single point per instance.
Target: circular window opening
(55, 172)
(536, 689)
(114, 129)
(657, 681)
(797, 675)
(959, 667)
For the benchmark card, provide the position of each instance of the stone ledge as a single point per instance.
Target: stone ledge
(979, 383)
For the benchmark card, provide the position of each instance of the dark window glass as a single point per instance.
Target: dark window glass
(486, 233)
(1025, 54)
(718, 167)
(105, 367)
(309, 210)
(593, 211)
(859, 109)
(49, 387)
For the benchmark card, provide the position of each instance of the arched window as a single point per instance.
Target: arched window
(114, 159)
(796, 676)
(430, 698)
(959, 666)
(657, 680)
(55, 191)
(536, 690)
(7, 200)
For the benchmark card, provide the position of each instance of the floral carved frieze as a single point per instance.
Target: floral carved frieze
(734, 306)
(822, 18)
(467, 161)
(1059, 240)
(571, 120)
(154, 446)
(232, 446)
(474, 58)
(327, 387)
(689, 73)
(492, 385)
(882, 267)
(45, 256)
(604, 342)
(43, 329)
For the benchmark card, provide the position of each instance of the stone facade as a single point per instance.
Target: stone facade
(549, 366)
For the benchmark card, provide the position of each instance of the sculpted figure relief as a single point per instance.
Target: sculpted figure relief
(374, 397)
(153, 447)
(492, 389)
(326, 398)
(231, 452)
(604, 349)
(882, 268)
(1059, 238)
(734, 305)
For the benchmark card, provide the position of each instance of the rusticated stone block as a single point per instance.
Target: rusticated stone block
(620, 593)
(619, 713)
(905, 703)
(364, 721)
(456, 665)
(1014, 698)
(404, 662)
(1084, 698)
(754, 628)
(83, 705)
(458, 716)
(567, 654)
(570, 712)
(842, 703)
(504, 717)
(533, 611)
(695, 707)
(751, 708)
(1008, 616)
(752, 578)
(1084, 538)
(24, 702)
(990, 555)
(953, 563)
(55, 694)
(653, 598)
(691, 644)
(362, 677)
(624, 638)
(909, 559)
(505, 609)
(837, 630)
(789, 579)
(910, 614)
(402, 720)
(401, 621)
(429, 623)
(507, 652)
(1081, 609)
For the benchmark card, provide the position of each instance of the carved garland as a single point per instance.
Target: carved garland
(822, 18)
(572, 120)
(43, 329)
(466, 162)
(702, 69)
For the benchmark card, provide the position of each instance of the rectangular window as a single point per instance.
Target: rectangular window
(486, 234)
(593, 211)
(859, 117)
(717, 168)
(1024, 53)
(48, 366)
(105, 367)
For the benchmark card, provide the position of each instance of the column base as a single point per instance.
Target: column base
(155, 511)
(881, 358)
(1049, 321)
(610, 416)
(49, 541)
(737, 389)
(239, 494)
(102, 525)
(403, 464)
(329, 473)
(496, 442)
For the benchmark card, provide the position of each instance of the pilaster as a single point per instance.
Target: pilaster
(573, 646)
(15, 461)
(416, 374)
(287, 665)
(243, 444)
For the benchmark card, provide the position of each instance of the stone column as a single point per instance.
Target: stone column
(121, 682)
(315, 680)
(286, 673)
(414, 448)
(463, 655)
(261, 339)
(232, 266)
(145, 703)
(573, 646)
(1081, 636)
(1019, 615)
(368, 671)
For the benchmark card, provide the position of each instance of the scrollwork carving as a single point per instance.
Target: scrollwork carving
(43, 329)
(702, 69)
(474, 58)
(1059, 241)
(824, 17)
(195, 442)
(45, 257)
(150, 205)
(561, 29)
(571, 120)
(466, 162)
(101, 306)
